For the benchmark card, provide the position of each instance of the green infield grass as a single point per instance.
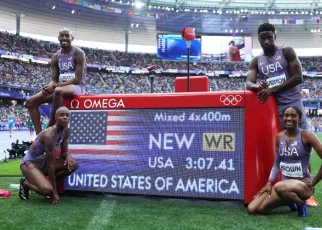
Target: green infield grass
(93, 213)
(12, 168)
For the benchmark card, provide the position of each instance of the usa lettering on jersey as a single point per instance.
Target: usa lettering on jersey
(272, 68)
(63, 66)
(289, 152)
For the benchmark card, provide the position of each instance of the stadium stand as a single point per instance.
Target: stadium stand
(21, 79)
(28, 78)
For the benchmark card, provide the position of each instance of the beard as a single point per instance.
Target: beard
(65, 45)
(269, 49)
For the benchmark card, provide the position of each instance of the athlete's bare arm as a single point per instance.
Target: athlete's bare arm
(277, 158)
(54, 69)
(294, 68)
(64, 144)
(311, 139)
(79, 57)
(49, 142)
(49, 89)
(252, 77)
(268, 187)
(64, 152)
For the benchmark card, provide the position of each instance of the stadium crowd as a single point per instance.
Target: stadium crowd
(26, 78)
(21, 114)
(316, 124)
(45, 49)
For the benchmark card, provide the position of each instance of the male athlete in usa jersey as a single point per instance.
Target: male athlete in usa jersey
(280, 71)
(68, 79)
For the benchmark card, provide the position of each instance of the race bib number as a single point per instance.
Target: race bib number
(66, 76)
(277, 80)
(292, 169)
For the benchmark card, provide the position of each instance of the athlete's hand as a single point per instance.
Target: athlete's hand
(70, 163)
(267, 188)
(263, 84)
(263, 95)
(48, 89)
(55, 199)
(43, 90)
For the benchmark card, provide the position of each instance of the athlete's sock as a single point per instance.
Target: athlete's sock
(301, 210)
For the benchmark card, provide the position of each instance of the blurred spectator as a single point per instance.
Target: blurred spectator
(28, 78)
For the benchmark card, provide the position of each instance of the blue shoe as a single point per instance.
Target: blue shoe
(301, 210)
(292, 207)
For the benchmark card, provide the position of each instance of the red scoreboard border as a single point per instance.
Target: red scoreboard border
(261, 122)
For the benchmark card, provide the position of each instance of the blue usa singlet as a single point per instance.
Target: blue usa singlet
(292, 158)
(67, 67)
(276, 70)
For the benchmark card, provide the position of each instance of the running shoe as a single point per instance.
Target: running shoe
(301, 210)
(23, 192)
(5, 194)
(312, 202)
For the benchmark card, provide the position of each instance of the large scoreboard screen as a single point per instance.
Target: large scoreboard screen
(186, 152)
(173, 47)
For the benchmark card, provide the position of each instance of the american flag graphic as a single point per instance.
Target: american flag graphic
(104, 132)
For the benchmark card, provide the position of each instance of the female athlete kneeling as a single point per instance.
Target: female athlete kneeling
(293, 151)
(40, 161)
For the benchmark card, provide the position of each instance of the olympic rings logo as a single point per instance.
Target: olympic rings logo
(230, 99)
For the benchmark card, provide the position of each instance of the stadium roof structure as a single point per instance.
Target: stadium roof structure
(262, 4)
(266, 5)
(206, 16)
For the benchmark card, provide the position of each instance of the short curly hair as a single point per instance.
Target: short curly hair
(266, 27)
